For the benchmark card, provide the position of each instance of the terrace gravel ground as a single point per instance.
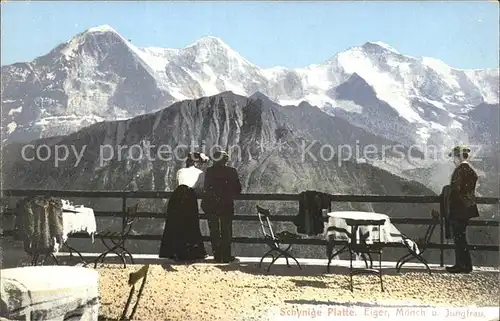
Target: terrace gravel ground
(204, 291)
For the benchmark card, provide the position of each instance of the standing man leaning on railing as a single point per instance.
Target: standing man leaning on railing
(222, 184)
(463, 207)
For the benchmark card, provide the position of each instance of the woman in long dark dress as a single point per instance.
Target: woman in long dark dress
(182, 238)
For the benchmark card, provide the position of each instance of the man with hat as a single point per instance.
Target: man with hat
(221, 185)
(462, 207)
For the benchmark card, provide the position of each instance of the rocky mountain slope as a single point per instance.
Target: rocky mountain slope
(100, 75)
(263, 137)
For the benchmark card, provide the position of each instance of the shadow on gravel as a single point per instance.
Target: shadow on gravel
(278, 270)
(309, 283)
(350, 304)
(307, 270)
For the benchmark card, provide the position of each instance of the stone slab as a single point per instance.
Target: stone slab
(49, 293)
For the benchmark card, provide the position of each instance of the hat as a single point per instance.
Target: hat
(219, 155)
(197, 157)
(203, 157)
(459, 151)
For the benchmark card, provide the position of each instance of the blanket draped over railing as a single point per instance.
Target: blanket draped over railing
(40, 223)
(310, 219)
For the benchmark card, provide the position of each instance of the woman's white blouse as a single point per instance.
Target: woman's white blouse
(190, 176)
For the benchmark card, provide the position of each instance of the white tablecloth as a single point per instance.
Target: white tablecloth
(337, 228)
(78, 219)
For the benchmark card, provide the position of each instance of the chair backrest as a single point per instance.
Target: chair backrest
(444, 204)
(134, 277)
(265, 223)
(131, 211)
(129, 218)
(435, 216)
(430, 229)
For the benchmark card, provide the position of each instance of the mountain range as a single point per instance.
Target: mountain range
(268, 143)
(99, 75)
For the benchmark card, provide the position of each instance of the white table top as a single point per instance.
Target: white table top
(338, 219)
(78, 219)
(358, 215)
(388, 233)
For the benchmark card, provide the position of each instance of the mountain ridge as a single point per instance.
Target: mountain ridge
(224, 120)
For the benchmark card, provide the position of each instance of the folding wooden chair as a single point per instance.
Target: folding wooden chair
(118, 247)
(134, 277)
(361, 247)
(422, 244)
(277, 245)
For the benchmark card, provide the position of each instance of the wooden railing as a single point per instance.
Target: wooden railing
(253, 217)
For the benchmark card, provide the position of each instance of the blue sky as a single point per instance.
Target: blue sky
(290, 34)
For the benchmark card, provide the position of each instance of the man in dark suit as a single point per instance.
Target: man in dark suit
(462, 206)
(221, 185)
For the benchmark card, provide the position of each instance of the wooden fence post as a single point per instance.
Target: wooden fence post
(124, 212)
(442, 213)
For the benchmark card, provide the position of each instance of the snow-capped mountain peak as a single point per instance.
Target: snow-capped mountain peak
(380, 44)
(90, 39)
(209, 49)
(99, 42)
(102, 28)
(97, 75)
(371, 49)
(207, 67)
(209, 42)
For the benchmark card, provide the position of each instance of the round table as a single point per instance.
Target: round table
(337, 219)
